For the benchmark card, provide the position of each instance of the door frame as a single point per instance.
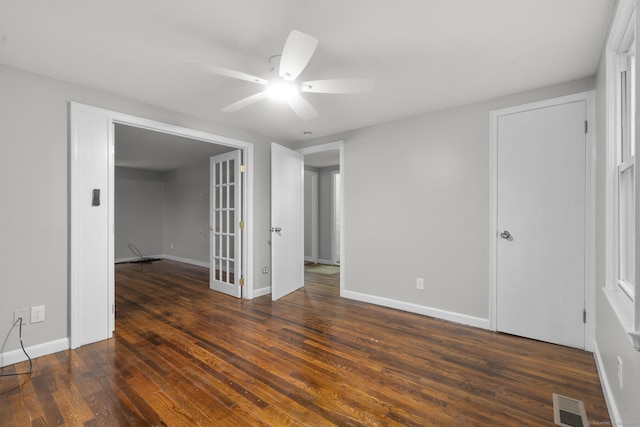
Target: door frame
(337, 145)
(77, 202)
(590, 186)
(335, 202)
(314, 217)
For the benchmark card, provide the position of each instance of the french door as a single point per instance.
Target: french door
(225, 237)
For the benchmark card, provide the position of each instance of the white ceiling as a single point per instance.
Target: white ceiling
(150, 150)
(144, 149)
(424, 55)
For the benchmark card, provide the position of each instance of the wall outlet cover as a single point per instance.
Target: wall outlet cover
(18, 314)
(37, 314)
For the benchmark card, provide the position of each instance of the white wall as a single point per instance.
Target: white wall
(186, 212)
(139, 204)
(416, 204)
(163, 213)
(34, 134)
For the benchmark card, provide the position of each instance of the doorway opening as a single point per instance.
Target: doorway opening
(92, 299)
(323, 222)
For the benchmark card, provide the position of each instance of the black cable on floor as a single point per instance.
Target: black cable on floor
(25, 352)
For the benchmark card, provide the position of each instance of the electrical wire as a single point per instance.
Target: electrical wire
(136, 251)
(23, 350)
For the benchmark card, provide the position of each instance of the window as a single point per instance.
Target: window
(625, 162)
(622, 289)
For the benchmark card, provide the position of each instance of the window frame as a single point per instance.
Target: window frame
(621, 143)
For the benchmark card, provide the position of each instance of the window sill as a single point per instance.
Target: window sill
(625, 315)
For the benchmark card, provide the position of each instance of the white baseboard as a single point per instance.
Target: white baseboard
(261, 292)
(38, 350)
(614, 414)
(186, 260)
(171, 257)
(437, 313)
(324, 261)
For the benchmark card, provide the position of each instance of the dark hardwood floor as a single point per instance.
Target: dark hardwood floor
(183, 355)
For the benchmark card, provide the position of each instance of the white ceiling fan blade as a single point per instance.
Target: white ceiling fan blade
(245, 102)
(222, 71)
(338, 86)
(298, 50)
(302, 108)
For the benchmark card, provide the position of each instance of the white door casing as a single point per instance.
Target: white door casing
(311, 235)
(225, 242)
(92, 290)
(337, 145)
(92, 257)
(336, 216)
(287, 221)
(541, 221)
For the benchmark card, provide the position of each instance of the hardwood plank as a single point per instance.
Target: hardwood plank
(185, 355)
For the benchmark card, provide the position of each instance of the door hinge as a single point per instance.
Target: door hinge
(241, 282)
(586, 126)
(241, 168)
(584, 316)
(113, 308)
(241, 225)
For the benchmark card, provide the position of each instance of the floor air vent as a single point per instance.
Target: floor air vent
(569, 412)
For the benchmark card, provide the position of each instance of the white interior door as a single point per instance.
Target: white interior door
(541, 207)
(287, 228)
(225, 224)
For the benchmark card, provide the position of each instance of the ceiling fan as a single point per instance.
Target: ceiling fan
(298, 50)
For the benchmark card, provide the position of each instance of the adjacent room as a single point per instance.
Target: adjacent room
(363, 212)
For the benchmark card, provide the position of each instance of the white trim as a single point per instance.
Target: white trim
(324, 261)
(262, 292)
(165, 256)
(339, 145)
(334, 250)
(624, 313)
(590, 206)
(314, 216)
(437, 313)
(625, 309)
(117, 117)
(609, 398)
(187, 261)
(38, 350)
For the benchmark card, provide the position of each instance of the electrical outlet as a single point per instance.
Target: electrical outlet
(18, 314)
(620, 373)
(265, 270)
(37, 314)
(172, 246)
(420, 284)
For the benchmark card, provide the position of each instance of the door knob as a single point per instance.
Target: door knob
(276, 229)
(505, 234)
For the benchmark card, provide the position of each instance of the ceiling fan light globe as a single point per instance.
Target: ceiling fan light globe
(283, 90)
